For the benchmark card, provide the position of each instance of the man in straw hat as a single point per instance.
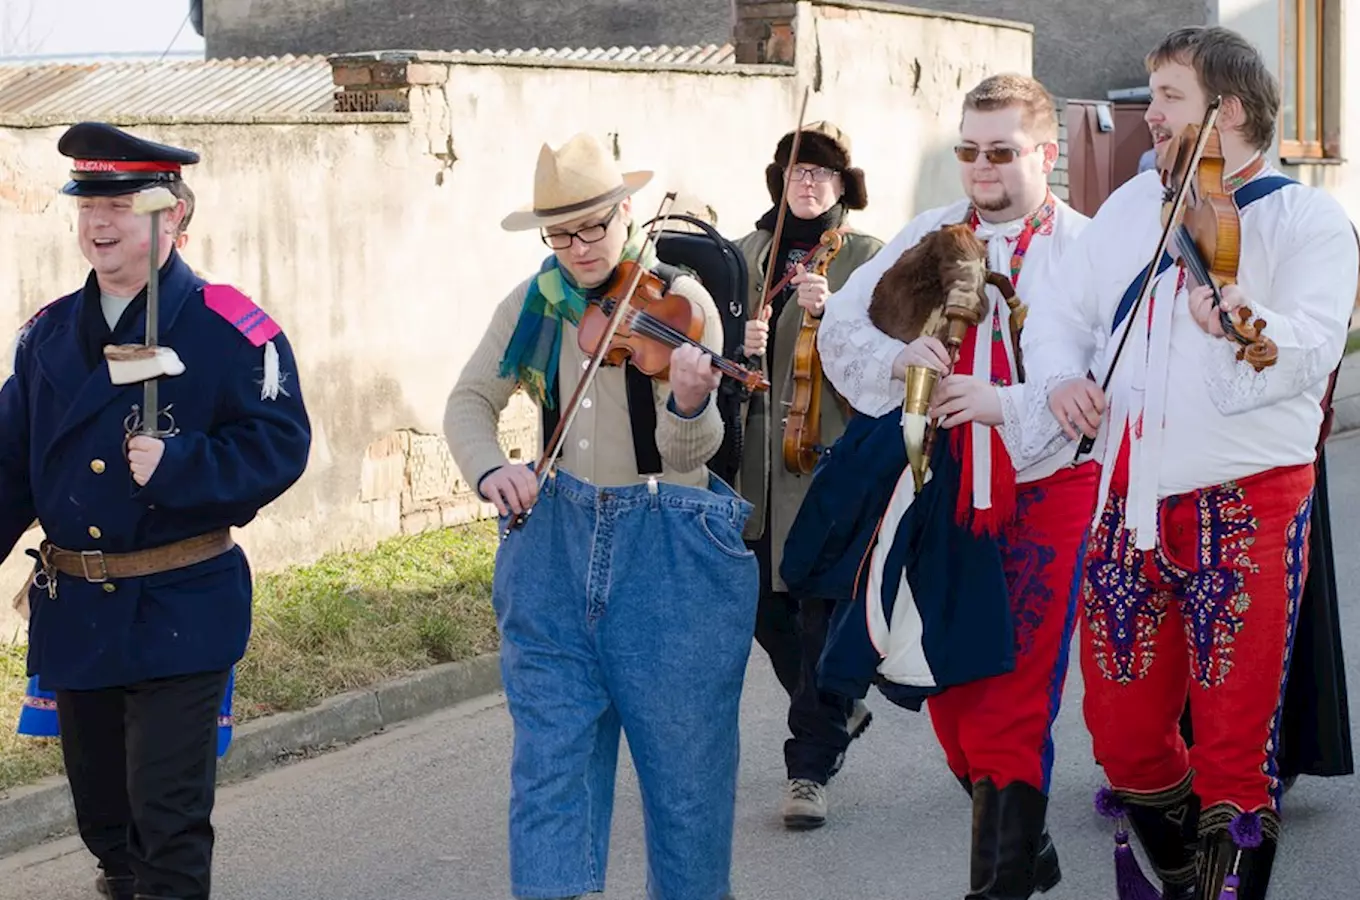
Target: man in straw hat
(626, 598)
(140, 600)
(823, 188)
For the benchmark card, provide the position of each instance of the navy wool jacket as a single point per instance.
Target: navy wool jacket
(956, 577)
(62, 462)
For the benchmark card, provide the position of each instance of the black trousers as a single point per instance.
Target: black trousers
(142, 764)
(793, 635)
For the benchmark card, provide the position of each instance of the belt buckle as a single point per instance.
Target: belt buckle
(85, 557)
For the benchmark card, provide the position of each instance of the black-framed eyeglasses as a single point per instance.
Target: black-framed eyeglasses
(818, 174)
(997, 156)
(591, 234)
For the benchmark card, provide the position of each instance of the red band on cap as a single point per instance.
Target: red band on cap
(117, 165)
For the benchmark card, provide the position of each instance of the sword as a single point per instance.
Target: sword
(151, 202)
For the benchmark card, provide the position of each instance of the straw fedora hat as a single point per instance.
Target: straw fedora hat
(575, 180)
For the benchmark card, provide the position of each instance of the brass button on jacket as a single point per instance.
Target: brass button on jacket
(95, 532)
(97, 466)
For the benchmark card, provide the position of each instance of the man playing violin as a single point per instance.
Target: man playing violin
(625, 598)
(1198, 553)
(823, 187)
(996, 732)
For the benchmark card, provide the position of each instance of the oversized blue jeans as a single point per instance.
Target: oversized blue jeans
(626, 607)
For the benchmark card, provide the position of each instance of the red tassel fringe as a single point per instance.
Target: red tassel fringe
(983, 521)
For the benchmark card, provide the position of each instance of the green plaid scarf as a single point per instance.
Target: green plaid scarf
(536, 345)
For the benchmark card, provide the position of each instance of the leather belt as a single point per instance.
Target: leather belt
(96, 566)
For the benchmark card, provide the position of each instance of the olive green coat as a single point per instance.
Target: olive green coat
(764, 480)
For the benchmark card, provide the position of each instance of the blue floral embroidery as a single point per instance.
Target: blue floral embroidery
(1025, 560)
(1123, 610)
(1212, 598)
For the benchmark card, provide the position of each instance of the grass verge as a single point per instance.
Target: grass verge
(348, 621)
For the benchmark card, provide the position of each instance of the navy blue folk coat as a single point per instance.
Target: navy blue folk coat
(956, 578)
(62, 462)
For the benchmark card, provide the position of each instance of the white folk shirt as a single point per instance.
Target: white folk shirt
(1207, 418)
(858, 358)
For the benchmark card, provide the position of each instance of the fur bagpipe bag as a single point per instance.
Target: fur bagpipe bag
(922, 597)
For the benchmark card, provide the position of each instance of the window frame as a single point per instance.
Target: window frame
(1293, 146)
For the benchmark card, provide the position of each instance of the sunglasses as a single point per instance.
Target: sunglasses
(997, 156)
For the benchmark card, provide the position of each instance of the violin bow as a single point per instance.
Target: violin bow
(1150, 276)
(553, 448)
(783, 207)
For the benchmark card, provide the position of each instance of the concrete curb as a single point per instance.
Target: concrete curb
(33, 814)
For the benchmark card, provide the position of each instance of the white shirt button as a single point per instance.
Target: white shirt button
(585, 364)
(587, 403)
(583, 444)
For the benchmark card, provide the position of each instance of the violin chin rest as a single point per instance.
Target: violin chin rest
(135, 363)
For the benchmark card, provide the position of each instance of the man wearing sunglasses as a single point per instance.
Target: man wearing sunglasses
(996, 732)
(626, 599)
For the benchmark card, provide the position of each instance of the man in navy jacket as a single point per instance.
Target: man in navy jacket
(140, 600)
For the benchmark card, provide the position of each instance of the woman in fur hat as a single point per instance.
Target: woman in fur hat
(823, 189)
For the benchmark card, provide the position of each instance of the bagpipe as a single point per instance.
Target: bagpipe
(922, 600)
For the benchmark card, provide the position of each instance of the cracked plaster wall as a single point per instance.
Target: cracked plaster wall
(377, 246)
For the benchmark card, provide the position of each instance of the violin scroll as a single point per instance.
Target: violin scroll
(1257, 350)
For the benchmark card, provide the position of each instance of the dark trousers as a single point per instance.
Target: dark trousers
(793, 635)
(142, 764)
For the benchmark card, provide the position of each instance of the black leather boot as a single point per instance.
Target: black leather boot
(115, 887)
(1237, 850)
(1167, 825)
(1008, 826)
(1047, 871)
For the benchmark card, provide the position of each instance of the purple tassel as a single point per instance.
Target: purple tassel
(1109, 805)
(1246, 830)
(1246, 833)
(1130, 882)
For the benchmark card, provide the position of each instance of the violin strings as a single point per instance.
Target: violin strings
(648, 325)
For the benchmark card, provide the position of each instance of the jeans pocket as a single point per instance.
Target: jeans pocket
(724, 536)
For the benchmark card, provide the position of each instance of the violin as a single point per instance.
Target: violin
(1201, 219)
(657, 319)
(655, 323)
(1208, 237)
(803, 426)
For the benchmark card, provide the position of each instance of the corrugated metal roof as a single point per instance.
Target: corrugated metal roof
(246, 87)
(216, 87)
(709, 55)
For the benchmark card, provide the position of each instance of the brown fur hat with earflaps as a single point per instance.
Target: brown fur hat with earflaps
(823, 144)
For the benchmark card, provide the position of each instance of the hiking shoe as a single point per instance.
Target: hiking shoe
(804, 805)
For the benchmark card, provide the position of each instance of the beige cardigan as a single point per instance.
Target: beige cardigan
(599, 448)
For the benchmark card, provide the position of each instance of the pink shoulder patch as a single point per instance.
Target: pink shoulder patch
(241, 312)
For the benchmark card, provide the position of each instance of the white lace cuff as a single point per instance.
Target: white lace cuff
(1236, 387)
(858, 360)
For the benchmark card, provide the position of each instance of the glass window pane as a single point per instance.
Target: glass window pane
(1289, 55)
(1312, 53)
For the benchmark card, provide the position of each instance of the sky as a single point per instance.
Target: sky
(95, 27)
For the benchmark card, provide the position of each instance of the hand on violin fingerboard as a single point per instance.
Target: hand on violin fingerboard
(693, 378)
(813, 290)
(1203, 311)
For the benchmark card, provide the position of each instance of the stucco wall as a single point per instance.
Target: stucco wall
(374, 239)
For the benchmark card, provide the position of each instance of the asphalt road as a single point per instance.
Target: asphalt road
(419, 813)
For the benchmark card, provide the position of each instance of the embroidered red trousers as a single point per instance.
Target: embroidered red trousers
(1209, 613)
(1002, 727)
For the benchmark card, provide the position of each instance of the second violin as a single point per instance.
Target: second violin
(803, 426)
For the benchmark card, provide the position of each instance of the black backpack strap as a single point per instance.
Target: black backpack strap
(642, 417)
(641, 407)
